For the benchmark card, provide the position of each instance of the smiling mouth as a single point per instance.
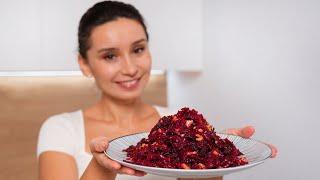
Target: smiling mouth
(129, 84)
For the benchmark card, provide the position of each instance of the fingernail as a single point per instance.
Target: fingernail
(142, 174)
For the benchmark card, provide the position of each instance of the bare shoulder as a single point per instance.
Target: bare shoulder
(57, 165)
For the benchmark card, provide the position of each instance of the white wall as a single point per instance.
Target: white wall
(175, 27)
(41, 35)
(19, 32)
(261, 67)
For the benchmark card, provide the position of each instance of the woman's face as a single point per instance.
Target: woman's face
(118, 58)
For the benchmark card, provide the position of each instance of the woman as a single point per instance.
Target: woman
(113, 48)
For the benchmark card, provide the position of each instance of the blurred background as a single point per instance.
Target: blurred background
(238, 62)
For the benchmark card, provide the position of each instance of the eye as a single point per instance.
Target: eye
(110, 56)
(139, 50)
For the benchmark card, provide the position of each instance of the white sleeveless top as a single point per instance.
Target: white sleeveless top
(65, 133)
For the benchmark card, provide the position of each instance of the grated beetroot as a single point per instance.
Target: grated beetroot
(185, 141)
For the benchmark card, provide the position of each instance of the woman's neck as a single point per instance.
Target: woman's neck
(123, 113)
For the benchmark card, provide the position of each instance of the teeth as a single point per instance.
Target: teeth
(129, 83)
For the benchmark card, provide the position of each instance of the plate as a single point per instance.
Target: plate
(255, 151)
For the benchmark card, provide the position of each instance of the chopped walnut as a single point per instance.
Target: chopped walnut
(189, 122)
(185, 166)
(191, 153)
(144, 145)
(174, 118)
(201, 166)
(215, 152)
(199, 137)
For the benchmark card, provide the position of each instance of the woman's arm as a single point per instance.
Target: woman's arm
(56, 166)
(55, 149)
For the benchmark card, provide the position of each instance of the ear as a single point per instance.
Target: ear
(84, 66)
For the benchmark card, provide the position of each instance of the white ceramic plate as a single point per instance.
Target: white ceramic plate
(255, 151)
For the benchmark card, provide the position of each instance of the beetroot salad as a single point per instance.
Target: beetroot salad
(185, 141)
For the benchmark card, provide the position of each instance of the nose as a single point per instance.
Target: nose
(129, 67)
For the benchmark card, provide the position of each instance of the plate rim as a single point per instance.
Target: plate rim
(192, 170)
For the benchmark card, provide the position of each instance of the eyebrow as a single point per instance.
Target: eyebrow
(113, 49)
(139, 41)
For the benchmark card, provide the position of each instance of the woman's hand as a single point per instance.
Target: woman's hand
(247, 132)
(100, 144)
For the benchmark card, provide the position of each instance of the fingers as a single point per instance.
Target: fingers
(126, 170)
(115, 166)
(274, 150)
(129, 171)
(99, 144)
(139, 173)
(245, 132)
(106, 162)
(231, 131)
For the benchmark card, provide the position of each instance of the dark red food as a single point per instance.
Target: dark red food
(185, 141)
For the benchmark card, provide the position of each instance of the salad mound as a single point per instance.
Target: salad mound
(185, 141)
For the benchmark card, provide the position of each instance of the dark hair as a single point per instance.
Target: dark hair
(101, 13)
